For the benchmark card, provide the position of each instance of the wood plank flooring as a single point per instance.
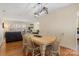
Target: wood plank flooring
(15, 49)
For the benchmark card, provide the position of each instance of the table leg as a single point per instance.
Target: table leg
(43, 48)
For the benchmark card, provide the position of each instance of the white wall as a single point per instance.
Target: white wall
(1, 32)
(62, 20)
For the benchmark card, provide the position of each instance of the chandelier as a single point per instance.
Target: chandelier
(41, 9)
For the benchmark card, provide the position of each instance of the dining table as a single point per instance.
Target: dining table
(42, 41)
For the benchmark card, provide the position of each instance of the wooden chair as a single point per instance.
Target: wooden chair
(30, 47)
(54, 49)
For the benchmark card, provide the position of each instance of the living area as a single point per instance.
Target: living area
(39, 29)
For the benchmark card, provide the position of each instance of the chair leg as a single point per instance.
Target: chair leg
(42, 49)
(25, 51)
(33, 53)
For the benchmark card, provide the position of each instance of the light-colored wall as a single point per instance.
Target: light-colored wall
(62, 20)
(1, 32)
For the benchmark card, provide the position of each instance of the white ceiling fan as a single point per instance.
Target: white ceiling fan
(41, 9)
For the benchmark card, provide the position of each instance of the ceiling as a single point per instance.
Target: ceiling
(25, 10)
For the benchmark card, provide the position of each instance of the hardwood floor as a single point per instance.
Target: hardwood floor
(15, 49)
(68, 52)
(2, 49)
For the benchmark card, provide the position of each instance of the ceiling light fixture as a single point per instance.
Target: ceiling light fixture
(41, 10)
